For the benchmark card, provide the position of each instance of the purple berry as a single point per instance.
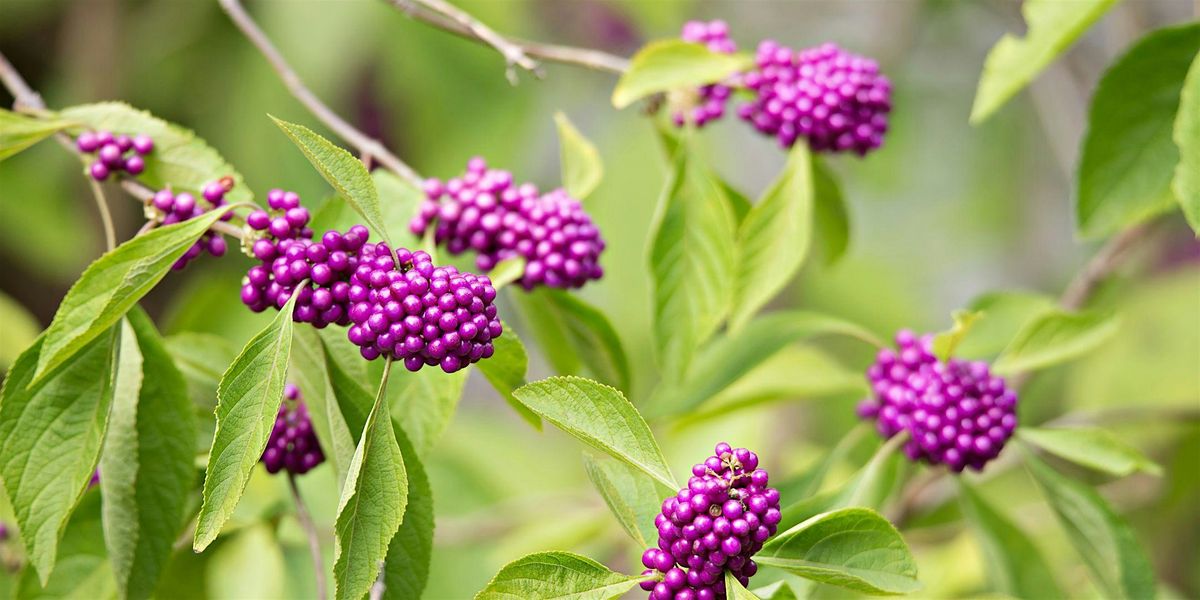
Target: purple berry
(98, 171)
(710, 100)
(87, 142)
(142, 144)
(293, 443)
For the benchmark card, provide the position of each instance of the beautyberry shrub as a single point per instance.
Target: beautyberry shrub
(293, 443)
(717, 523)
(709, 105)
(956, 413)
(114, 153)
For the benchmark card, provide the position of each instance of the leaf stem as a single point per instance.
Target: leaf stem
(110, 233)
(362, 142)
(310, 530)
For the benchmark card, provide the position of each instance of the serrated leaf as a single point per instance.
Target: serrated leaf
(692, 262)
(406, 568)
(18, 132)
(575, 336)
(1128, 157)
(1107, 543)
(1186, 183)
(424, 403)
(147, 460)
(50, 436)
(600, 417)
(831, 219)
(180, 159)
(558, 576)
(248, 399)
(773, 239)
(946, 342)
(734, 590)
(506, 369)
(1014, 564)
(1091, 447)
(82, 572)
(342, 402)
(674, 64)
(1051, 28)
(727, 358)
(1053, 338)
(1006, 312)
(201, 358)
(348, 176)
(372, 504)
(507, 271)
(632, 497)
(19, 331)
(854, 548)
(112, 284)
(582, 168)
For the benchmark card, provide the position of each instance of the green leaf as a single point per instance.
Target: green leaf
(692, 262)
(1054, 338)
(424, 402)
(201, 358)
(179, 160)
(1128, 157)
(348, 176)
(674, 64)
(558, 576)
(574, 334)
(633, 498)
(854, 548)
(831, 219)
(773, 239)
(113, 284)
(506, 369)
(507, 271)
(734, 590)
(309, 373)
(82, 573)
(247, 400)
(372, 503)
(582, 168)
(1106, 542)
(600, 417)
(1015, 565)
(1186, 183)
(19, 331)
(727, 358)
(406, 568)
(18, 132)
(945, 343)
(249, 565)
(1005, 313)
(1051, 28)
(1091, 447)
(147, 460)
(50, 436)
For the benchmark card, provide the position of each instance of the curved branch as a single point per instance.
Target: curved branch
(310, 531)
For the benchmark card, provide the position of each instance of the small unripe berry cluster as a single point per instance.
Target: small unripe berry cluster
(114, 153)
(717, 523)
(483, 210)
(710, 103)
(836, 100)
(293, 444)
(405, 308)
(169, 208)
(956, 413)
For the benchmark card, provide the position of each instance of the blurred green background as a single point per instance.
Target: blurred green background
(943, 213)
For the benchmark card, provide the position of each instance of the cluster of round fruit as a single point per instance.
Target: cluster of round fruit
(709, 105)
(483, 210)
(114, 153)
(715, 524)
(955, 413)
(168, 208)
(293, 443)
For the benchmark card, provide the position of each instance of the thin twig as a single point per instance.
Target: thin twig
(310, 530)
(512, 53)
(364, 143)
(22, 93)
(570, 55)
(110, 232)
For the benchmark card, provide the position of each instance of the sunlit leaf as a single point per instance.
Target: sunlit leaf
(673, 64)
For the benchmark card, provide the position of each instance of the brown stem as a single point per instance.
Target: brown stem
(512, 53)
(310, 530)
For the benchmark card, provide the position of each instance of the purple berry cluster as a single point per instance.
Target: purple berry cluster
(712, 98)
(836, 100)
(293, 443)
(405, 308)
(717, 523)
(483, 210)
(114, 153)
(956, 413)
(169, 208)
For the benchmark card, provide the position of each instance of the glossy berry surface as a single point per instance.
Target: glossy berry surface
(114, 153)
(293, 443)
(168, 208)
(715, 524)
(835, 100)
(711, 99)
(955, 413)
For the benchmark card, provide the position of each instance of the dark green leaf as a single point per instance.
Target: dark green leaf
(633, 498)
(600, 417)
(310, 374)
(1053, 338)
(18, 132)
(574, 334)
(247, 400)
(406, 569)
(201, 358)
(558, 576)
(113, 284)
(348, 176)
(82, 572)
(50, 436)
(1128, 157)
(505, 370)
(1015, 565)
(773, 239)
(831, 219)
(582, 169)
(1091, 447)
(674, 64)
(424, 402)
(1186, 183)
